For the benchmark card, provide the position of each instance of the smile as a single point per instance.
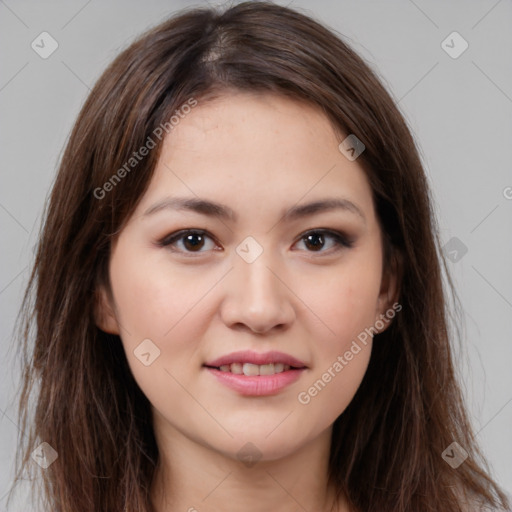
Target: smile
(251, 370)
(253, 373)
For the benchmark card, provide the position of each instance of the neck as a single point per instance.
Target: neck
(193, 477)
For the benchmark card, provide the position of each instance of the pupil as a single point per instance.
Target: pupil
(315, 236)
(315, 241)
(192, 245)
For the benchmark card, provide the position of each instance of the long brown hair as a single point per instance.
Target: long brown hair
(387, 446)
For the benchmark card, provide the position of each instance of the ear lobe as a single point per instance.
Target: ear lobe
(104, 315)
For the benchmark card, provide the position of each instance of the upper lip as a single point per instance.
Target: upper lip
(259, 358)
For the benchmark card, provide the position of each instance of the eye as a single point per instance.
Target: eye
(193, 240)
(315, 240)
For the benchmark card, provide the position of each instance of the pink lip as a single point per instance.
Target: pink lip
(259, 385)
(262, 385)
(249, 356)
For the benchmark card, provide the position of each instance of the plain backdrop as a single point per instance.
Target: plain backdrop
(458, 106)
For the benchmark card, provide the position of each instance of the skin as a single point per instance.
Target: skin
(259, 154)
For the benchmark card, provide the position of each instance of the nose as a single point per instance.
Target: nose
(257, 297)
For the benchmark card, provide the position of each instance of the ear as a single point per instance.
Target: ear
(387, 302)
(104, 315)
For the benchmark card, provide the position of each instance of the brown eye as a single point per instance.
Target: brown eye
(191, 241)
(315, 240)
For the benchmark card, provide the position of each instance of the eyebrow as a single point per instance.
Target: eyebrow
(214, 209)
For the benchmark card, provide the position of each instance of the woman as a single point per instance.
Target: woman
(238, 288)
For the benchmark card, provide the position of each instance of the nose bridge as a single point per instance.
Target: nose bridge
(256, 295)
(260, 276)
(258, 279)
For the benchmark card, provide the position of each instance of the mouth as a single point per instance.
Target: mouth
(251, 363)
(253, 373)
(254, 370)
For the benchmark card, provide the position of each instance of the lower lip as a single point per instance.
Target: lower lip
(262, 385)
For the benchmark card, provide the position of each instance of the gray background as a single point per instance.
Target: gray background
(459, 109)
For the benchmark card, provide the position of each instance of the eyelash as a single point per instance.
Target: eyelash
(341, 240)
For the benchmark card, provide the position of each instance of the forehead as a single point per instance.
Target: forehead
(256, 148)
(252, 119)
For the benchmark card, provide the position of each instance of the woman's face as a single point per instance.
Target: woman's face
(258, 274)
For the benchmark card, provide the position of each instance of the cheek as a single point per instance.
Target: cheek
(346, 304)
(341, 357)
(150, 300)
(153, 304)
(347, 301)
(332, 385)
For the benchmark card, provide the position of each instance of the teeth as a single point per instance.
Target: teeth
(251, 370)
(237, 368)
(267, 369)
